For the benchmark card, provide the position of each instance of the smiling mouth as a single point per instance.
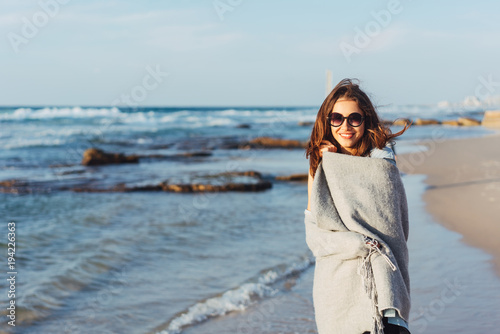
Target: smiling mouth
(346, 135)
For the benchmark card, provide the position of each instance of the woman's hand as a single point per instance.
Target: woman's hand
(326, 146)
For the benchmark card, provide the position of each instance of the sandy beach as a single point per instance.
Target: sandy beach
(463, 193)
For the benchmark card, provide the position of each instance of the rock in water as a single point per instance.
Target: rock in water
(452, 122)
(466, 121)
(491, 119)
(95, 156)
(293, 177)
(269, 142)
(421, 121)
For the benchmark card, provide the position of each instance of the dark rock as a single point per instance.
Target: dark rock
(12, 183)
(13, 187)
(184, 188)
(466, 121)
(305, 123)
(152, 187)
(153, 156)
(120, 188)
(94, 156)
(260, 185)
(243, 126)
(245, 173)
(94, 190)
(268, 142)
(175, 156)
(452, 122)
(293, 177)
(159, 146)
(421, 121)
(24, 187)
(195, 154)
(189, 188)
(491, 119)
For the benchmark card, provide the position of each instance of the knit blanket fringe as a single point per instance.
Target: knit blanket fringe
(366, 273)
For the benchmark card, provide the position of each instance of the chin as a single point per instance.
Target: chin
(348, 145)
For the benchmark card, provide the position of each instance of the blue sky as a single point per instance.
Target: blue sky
(242, 52)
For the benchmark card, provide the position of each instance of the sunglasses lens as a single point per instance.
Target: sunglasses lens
(336, 119)
(355, 119)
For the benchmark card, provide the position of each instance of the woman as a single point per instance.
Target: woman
(356, 219)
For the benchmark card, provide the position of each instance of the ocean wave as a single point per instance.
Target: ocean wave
(439, 110)
(232, 117)
(196, 117)
(237, 299)
(33, 142)
(184, 118)
(48, 113)
(50, 291)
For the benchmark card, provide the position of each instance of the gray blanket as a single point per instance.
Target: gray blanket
(353, 197)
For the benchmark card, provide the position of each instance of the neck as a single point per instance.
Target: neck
(346, 150)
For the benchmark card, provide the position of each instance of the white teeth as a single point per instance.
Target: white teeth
(346, 135)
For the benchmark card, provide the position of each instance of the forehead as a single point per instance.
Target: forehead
(346, 107)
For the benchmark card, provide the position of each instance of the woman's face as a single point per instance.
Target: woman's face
(346, 135)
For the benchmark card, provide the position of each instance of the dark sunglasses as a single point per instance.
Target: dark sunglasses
(355, 119)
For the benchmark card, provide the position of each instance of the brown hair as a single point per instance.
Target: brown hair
(376, 133)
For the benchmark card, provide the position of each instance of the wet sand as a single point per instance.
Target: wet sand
(463, 193)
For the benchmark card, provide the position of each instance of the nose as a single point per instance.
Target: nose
(345, 125)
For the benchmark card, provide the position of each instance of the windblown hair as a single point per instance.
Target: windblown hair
(376, 133)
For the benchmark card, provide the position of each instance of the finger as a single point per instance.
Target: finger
(328, 147)
(322, 150)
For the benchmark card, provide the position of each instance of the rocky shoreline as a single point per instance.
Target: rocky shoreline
(221, 182)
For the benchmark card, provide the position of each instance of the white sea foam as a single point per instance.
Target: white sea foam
(232, 300)
(231, 112)
(47, 113)
(32, 142)
(196, 121)
(64, 132)
(236, 299)
(139, 117)
(183, 118)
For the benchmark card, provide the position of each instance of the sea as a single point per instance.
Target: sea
(107, 261)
